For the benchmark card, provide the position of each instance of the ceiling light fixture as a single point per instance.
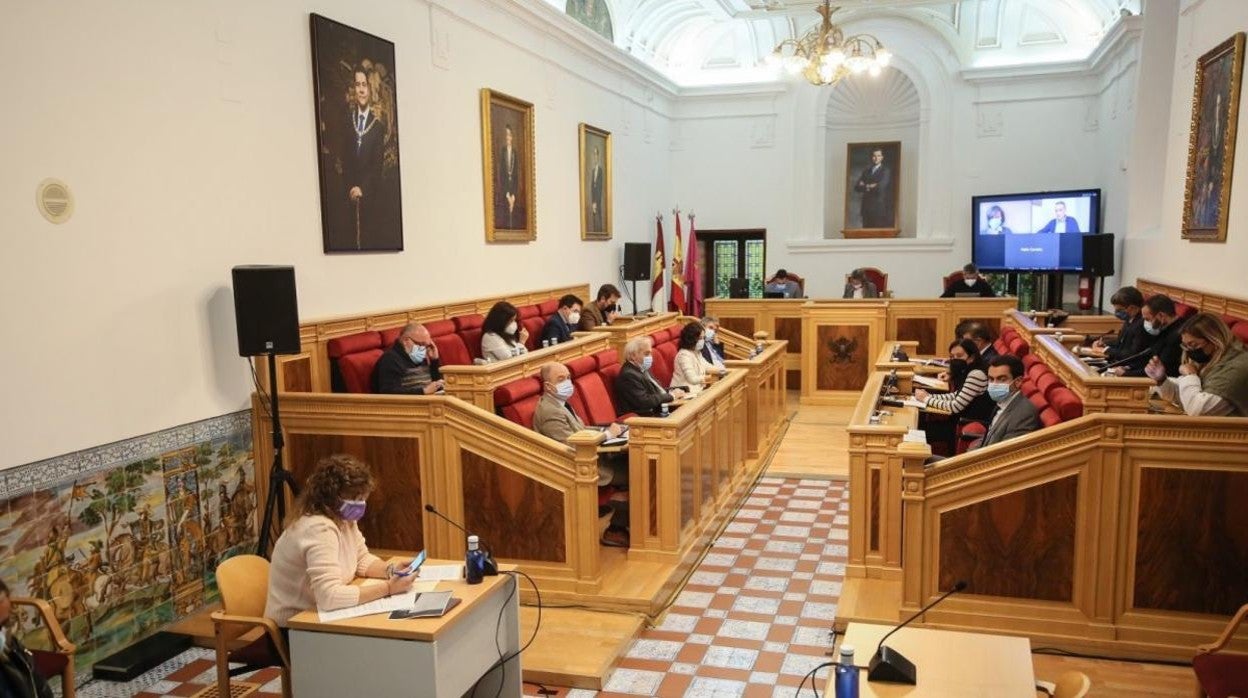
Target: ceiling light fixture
(825, 56)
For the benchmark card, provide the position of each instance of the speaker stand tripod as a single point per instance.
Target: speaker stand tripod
(279, 477)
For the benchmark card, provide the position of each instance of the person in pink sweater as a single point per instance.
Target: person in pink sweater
(322, 550)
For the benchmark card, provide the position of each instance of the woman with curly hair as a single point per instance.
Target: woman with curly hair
(322, 550)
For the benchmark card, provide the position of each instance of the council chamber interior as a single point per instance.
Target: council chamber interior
(737, 333)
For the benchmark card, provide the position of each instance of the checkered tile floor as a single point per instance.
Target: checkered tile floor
(754, 618)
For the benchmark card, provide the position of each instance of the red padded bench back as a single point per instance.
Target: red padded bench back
(469, 329)
(357, 370)
(664, 363)
(517, 400)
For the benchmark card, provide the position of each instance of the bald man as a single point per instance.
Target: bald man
(410, 366)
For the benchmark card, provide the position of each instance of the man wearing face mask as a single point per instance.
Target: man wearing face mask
(712, 348)
(1161, 324)
(555, 419)
(410, 366)
(1015, 415)
(860, 286)
(603, 310)
(322, 550)
(971, 283)
(1132, 339)
(559, 327)
(636, 390)
(18, 676)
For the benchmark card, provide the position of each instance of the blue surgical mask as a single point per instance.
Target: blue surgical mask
(710, 335)
(998, 391)
(1151, 328)
(563, 389)
(647, 362)
(352, 509)
(418, 353)
(1121, 315)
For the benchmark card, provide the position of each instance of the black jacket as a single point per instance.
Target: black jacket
(18, 678)
(397, 374)
(636, 392)
(556, 330)
(1132, 339)
(719, 348)
(1167, 346)
(980, 286)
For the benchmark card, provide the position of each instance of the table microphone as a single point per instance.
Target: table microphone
(888, 665)
(491, 567)
(1126, 360)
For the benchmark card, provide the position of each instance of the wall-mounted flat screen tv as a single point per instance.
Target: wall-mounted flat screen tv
(1036, 231)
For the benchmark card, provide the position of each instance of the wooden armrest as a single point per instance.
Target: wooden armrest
(63, 645)
(1228, 633)
(270, 627)
(1047, 687)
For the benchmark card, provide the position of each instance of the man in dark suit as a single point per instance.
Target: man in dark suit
(1132, 339)
(597, 180)
(860, 286)
(1015, 415)
(410, 366)
(636, 390)
(1061, 223)
(712, 348)
(971, 282)
(361, 161)
(1162, 325)
(509, 209)
(982, 338)
(567, 317)
(876, 186)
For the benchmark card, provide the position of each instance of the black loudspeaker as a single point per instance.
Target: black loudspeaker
(636, 261)
(1098, 254)
(738, 288)
(266, 310)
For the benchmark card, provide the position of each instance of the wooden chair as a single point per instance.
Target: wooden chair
(954, 278)
(244, 584)
(877, 277)
(1219, 673)
(801, 282)
(1072, 684)
(59, 661)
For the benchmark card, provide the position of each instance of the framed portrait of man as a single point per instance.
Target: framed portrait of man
(507, 151)
(357, 138)
(1211, 143)
(872, 183)
(595, 183)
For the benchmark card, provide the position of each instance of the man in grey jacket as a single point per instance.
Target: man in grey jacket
(1015, 415)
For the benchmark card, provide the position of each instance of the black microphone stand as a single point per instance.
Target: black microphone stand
(491, 567)
(278, 475)
(890, 666)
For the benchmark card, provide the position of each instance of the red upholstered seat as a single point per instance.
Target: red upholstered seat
(525, 312)
(1036, 370)
(1221, 674)
(1038, 400)
(1029, 387)
(582, 365)
(341, 346)
(469, 329)
(50, 664)
(608, 373)
(1030, 360)
(534, 325)
(599, 407)
(1019, 348)
(452, 351)
(1002, 346)
(1064, 401)
(1046, 382)
(1240, 329)
(517, 400)
(1049, 417)
(440, 328)
(968, 433)
(357, 370)
(547, 308)
(1183, 310)
(607, 357)
(664, 363)
(390, 336)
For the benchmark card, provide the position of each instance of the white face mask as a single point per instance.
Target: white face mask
(4, 636)
(699, 345)
(511, 328)
(994, 223)
(574, 317)
(970, 280)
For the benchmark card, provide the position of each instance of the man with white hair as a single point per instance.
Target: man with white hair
(636, 390)
(712, 348)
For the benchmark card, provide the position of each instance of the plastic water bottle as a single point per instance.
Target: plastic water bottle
(663, 411)
(474, 563)
(846, 674)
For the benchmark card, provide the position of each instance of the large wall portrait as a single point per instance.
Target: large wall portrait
(595, 183)
(357, 137)
(508, 153)
(592, 13)
(1211, 148)
(872, 180)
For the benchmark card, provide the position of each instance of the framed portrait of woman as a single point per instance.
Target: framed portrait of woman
(507, 151)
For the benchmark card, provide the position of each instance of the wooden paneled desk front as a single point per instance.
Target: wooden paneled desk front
(948, 663)
(419, 657)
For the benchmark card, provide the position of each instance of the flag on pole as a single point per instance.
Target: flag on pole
(676, 300)
(660, 262)
(693, 280)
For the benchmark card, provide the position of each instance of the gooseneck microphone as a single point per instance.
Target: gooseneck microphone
(491, 567)
(1126, 360)
(888, 665)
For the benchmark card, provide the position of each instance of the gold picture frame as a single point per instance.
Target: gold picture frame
(1211, 142)
(509, 169)
(872, 199)
(596, 183)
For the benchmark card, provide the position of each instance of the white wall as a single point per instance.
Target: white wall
(186, 131)
(1154, 248)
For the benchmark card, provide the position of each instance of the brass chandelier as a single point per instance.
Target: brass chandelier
(825, 56)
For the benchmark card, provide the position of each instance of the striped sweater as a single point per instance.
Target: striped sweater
(975, 384)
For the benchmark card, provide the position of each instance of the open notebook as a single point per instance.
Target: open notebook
(429, 604)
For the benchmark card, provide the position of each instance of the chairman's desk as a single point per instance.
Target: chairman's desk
(414, 658)
(949, 663)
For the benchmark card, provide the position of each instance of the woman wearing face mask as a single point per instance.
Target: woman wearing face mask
(322, 550)
(1213, 378)
(967, 397)
(502, 337)
(996, 223)
(691, 370)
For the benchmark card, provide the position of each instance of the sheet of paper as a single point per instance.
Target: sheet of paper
(911, 402)
(931, 383)
(386, 605)
(436, 572)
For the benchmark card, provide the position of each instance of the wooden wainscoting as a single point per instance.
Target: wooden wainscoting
(1124, 534)
(841, 341)
(745, 316)
(1208, 301)
(476, 384)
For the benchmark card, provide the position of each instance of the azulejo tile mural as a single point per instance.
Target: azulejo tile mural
(123, 539)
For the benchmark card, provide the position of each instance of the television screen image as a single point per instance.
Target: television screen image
(1038, 231)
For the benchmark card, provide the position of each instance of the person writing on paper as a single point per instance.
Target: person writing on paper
(1213, 378)
(691, 371)
(410, 366)
(502, 337)
(322, 550)
(1132, 339)
(967, 397)
(636, 390)
(712, 350)
(860, 286)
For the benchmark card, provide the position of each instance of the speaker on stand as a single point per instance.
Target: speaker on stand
(636, 265)
(1098, 261)
(266, 314)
